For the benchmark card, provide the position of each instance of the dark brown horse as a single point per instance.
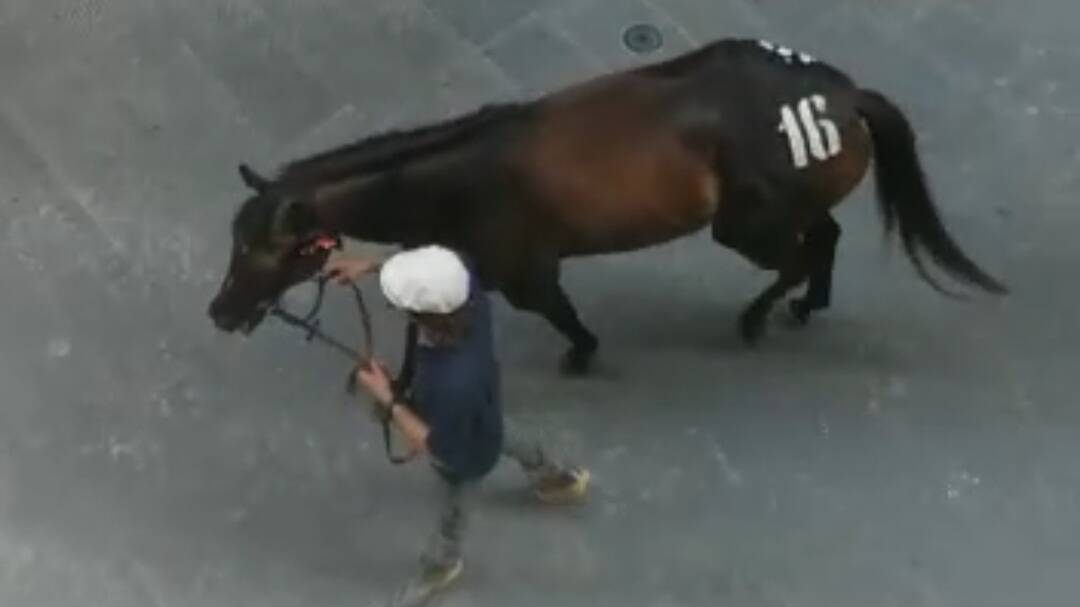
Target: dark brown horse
(753, 139)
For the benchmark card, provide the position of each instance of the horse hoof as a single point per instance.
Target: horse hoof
(800, 311)
(751, 328)
(576, 363)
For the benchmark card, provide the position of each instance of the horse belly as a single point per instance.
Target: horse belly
(607, 199)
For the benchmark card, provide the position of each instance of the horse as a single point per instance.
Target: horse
(754, 140)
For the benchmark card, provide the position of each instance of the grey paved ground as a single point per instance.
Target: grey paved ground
(906, 450)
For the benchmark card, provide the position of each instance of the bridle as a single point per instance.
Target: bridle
(312, 326)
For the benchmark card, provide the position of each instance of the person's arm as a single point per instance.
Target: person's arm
(377, 381)
(410, 426)
(344, 269)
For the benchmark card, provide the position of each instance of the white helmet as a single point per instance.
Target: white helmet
(427, 280)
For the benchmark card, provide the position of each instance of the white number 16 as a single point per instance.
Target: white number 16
(807, 131)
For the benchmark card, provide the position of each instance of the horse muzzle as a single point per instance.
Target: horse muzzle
(231, 321)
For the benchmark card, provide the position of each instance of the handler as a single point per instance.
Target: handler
(453, 411)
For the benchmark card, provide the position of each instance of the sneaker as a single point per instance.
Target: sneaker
(430, 582)
(563, 487)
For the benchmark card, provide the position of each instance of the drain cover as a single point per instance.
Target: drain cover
(642, 38)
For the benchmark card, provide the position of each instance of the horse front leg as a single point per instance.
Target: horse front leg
(540, 292)
(560, 312)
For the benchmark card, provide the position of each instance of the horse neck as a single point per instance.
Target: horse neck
(385, 207)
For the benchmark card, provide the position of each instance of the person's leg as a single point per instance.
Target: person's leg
(552, 482)
(444, 546)
(527, 452)
(441, 562)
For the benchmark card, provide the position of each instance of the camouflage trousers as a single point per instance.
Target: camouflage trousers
(444, 545)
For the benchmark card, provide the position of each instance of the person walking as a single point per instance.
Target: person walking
(451, 410)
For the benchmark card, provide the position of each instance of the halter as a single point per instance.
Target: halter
(321, 244)
(311, 324)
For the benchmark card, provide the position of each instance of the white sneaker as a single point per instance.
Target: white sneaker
(424, 587)
(564, 487)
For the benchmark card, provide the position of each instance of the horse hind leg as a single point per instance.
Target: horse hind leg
(819, 247)
(784, 251)
(761, 228)
(788, 255)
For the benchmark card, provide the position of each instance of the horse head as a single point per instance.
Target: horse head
(277, 242)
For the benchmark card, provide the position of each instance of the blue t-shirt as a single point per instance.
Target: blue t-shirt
(455, 391)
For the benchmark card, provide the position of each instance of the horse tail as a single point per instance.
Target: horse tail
(905, 201)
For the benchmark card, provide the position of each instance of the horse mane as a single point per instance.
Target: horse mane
(680, 65)
(380, 151)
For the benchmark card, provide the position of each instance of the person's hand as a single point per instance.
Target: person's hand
(344, 270)
(376, 380)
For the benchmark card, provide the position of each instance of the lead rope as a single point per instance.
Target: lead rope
(311, 325)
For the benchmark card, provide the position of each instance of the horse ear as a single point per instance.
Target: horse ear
(252, 179)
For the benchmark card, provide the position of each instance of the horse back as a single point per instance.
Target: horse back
(608, 170)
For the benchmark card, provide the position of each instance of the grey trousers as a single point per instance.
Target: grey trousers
(444, 546)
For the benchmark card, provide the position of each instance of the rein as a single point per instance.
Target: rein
(311, 324)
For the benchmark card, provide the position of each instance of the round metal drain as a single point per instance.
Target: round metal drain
(643, 38)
